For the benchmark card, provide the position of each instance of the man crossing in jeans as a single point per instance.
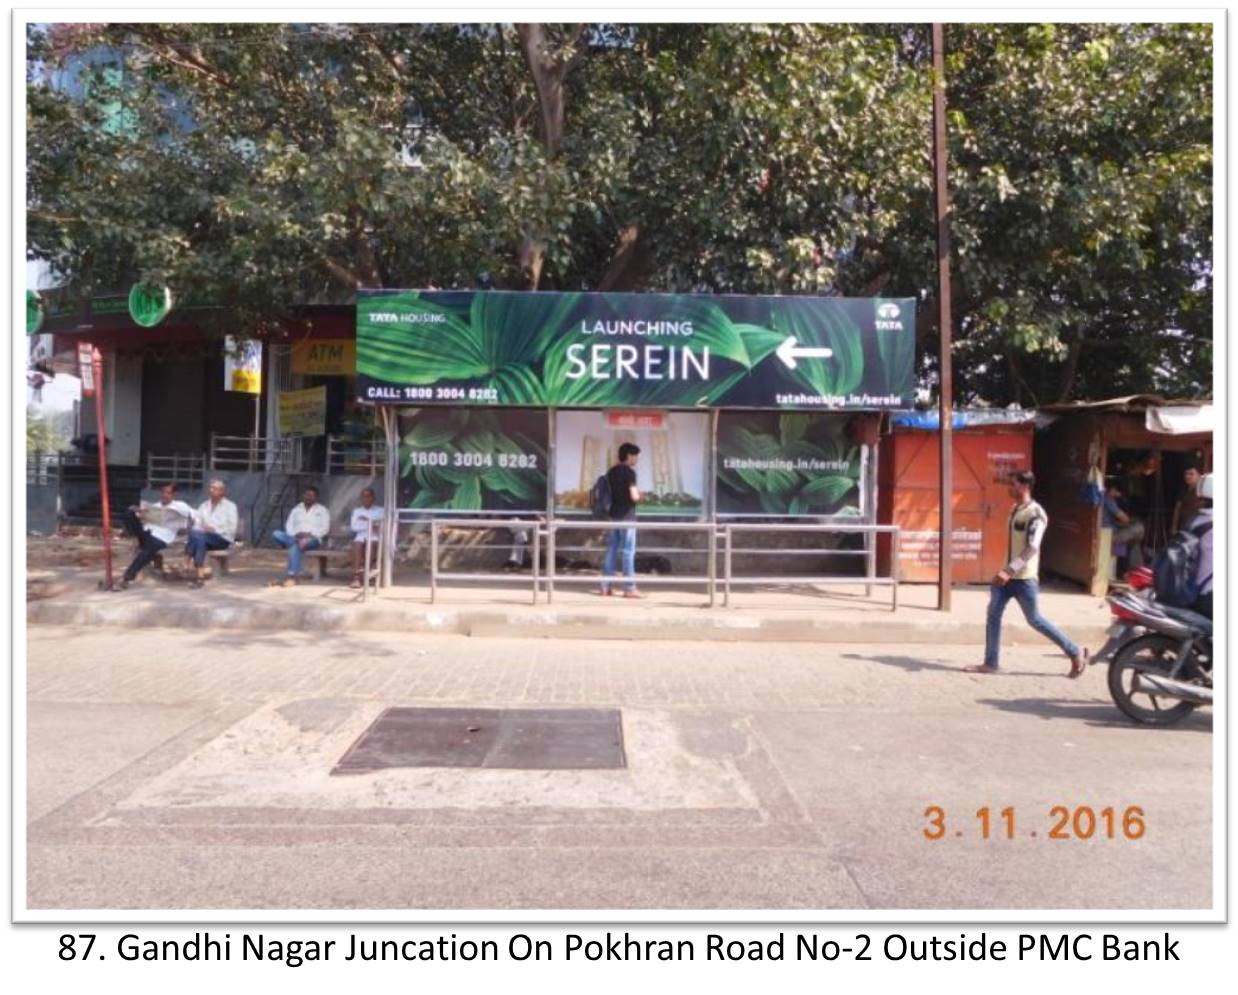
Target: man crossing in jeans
(624, 497)
(1018, 580)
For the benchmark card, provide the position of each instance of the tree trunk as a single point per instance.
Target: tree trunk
(549, 68)
(630, 264)
(1070, 371)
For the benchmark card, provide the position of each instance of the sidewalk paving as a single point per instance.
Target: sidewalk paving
(801, 613)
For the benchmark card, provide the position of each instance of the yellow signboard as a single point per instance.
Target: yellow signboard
(243, 365)
(303, 412)
(325, 357)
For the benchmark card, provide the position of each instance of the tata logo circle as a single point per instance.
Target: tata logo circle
(888, 315)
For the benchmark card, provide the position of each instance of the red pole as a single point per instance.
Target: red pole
(97, 363)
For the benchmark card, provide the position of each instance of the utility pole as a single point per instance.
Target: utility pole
(91, 357)
(946, 398)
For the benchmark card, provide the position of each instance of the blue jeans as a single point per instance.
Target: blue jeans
(199, 542)
(625, 539)
(1027, 593)
(294, 550)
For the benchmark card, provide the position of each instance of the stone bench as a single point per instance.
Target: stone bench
(319, 559)
(214, 558)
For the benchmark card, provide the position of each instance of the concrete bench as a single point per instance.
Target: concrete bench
(214, 558)
(319, 559)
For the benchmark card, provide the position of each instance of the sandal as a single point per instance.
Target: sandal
(1078, 664)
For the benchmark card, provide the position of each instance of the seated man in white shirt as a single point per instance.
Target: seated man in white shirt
(154, 526)
(307, 526)
(362, 515)
(214, 527)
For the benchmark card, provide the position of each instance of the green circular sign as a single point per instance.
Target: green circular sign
(149, 305)
(34, 312)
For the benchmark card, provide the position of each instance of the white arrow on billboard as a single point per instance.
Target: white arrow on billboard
(791, 350)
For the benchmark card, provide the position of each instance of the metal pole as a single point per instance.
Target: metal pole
(713, 563)
(96, 360)
(946, 528)
(726, 568)
(391, 495)
(896, 545)
(537, 556)
(550, 561)
(253, 444)
(433, 559)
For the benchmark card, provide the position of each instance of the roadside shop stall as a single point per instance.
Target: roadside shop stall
(989, 445)
(1142, 445)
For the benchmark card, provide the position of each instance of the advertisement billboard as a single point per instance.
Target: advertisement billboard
(671, 472)
(498, 348)
(773, 463)
(462, 460)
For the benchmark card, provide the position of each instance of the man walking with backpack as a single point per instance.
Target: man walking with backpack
(624, 496)
(1019, 579)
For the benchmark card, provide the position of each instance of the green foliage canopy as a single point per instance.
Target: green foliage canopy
(266, 165)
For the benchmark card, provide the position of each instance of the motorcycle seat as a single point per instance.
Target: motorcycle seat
(1191, 618)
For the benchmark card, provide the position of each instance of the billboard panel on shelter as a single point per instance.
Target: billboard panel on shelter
(634, 350)
(462, 459)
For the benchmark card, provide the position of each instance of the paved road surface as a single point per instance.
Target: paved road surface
(181, 769)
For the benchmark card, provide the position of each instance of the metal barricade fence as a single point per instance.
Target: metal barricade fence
(541, 529)
(868, 580)
(710, 529)
(436, 525)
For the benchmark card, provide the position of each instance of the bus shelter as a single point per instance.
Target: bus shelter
(746, 408)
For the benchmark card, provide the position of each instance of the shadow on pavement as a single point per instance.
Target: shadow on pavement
(1094, 713)
(913, 664)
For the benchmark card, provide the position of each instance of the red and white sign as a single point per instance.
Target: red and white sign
(635, 419)
(86, 367)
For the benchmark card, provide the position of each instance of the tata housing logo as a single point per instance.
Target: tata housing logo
(406, 318)
(889, 317)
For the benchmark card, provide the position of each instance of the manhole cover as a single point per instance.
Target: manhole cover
(512, 738)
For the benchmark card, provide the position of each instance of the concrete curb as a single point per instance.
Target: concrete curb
(548, 624)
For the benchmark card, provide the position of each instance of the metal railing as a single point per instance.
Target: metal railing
(43, 468)
(186, 469)
(709, 529)
(436, 575)
(253, 453)
(355, 456)
(869, 580)
(720, 541)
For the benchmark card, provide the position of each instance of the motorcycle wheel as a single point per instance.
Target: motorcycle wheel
(1155, 653)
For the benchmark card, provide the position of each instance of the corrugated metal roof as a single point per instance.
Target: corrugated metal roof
(1133, 402)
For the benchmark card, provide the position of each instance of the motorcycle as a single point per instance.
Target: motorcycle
(1167, 657)
(1125, 626)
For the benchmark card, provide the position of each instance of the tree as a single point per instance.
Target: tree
(263, 166)
(1081, 173)
(41, 435)
(267, 164)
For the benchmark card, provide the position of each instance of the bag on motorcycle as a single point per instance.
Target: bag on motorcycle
(1175, 568)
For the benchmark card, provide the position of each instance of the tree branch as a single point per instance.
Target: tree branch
(344, 274)
(191, 60)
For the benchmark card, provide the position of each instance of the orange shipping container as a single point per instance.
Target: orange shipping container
(909, 485)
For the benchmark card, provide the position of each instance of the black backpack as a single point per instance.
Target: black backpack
(1175, 568)
(600, 499)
